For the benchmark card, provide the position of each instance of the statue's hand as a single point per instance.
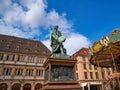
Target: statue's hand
(61, 39)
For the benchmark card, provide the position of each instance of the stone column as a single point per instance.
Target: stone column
(9, 87)
(34, 73)
(88, 86)
(43, 72)
(21, 87)
(33, 88)
(13, 71)
(83, 85)
(83, 88)
(16, 58)
(1, 70)
(35, 60)
(24, 72)
(4, 57)
(26, 59)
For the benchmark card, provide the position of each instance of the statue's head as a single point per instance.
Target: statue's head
(56, 27)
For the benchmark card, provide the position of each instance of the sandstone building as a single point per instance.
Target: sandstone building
(89, 76)
(21, 63)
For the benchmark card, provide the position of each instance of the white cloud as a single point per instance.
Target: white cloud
(75, 42)
(47, 43)
(10, 30)
(29, 20)
(25, 18)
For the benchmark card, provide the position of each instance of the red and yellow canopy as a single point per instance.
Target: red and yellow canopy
(106, 51)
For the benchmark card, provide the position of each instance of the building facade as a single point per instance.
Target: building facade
(90, 77)
(21, 63)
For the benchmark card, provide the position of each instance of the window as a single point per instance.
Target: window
(19, 41)
(36, 51)
(7, 46)
(39, 73)
(83, 58)
(18, 48)
(7, 71)
(108, 71)
(103, 75)
(10, 41)
(31, 59)
(90, 66)
(84, 65)
(27, 49)
(96, 74)
(21, 58)
(1, 56)
(18, 72)
(85, 75)
(10, 57)
(29, 72)
(41, 60)
(1, 40)
(28, 43)
(36, 45)
(95, 67)
(91, 75)
(102, 71)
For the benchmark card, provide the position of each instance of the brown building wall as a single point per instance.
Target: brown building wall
(84, 66)
(21, 63)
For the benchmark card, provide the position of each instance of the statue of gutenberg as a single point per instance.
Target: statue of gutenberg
(56, 42)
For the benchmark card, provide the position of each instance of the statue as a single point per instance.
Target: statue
(56, 43)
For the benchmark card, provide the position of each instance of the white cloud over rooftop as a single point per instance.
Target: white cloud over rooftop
(24, 18)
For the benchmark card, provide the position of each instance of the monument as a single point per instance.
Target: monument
(59, 68)
(56, 43)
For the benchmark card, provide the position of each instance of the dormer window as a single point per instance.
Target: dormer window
(1, 56)
(10, 57)
(31, 59)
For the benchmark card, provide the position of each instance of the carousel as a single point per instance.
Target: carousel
(106, 53)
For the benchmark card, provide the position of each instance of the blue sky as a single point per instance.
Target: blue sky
(98, 17)
(82, 21)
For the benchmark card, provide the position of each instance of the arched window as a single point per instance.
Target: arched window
(27, 86)
(16, 86)
(38, 86)
(3, 86)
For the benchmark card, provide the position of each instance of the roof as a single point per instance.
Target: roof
(81, 52)
(22, 45)
(106, 52)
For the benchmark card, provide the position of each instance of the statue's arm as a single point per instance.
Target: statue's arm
(54, 36)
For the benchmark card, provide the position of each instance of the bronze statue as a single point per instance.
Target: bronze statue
(56, 42)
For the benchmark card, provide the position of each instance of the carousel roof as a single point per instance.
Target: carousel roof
(107, 50)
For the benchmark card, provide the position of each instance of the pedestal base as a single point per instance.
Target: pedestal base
(60, 74)
(61, 85)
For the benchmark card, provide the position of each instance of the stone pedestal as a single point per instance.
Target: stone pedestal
(60, 74)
